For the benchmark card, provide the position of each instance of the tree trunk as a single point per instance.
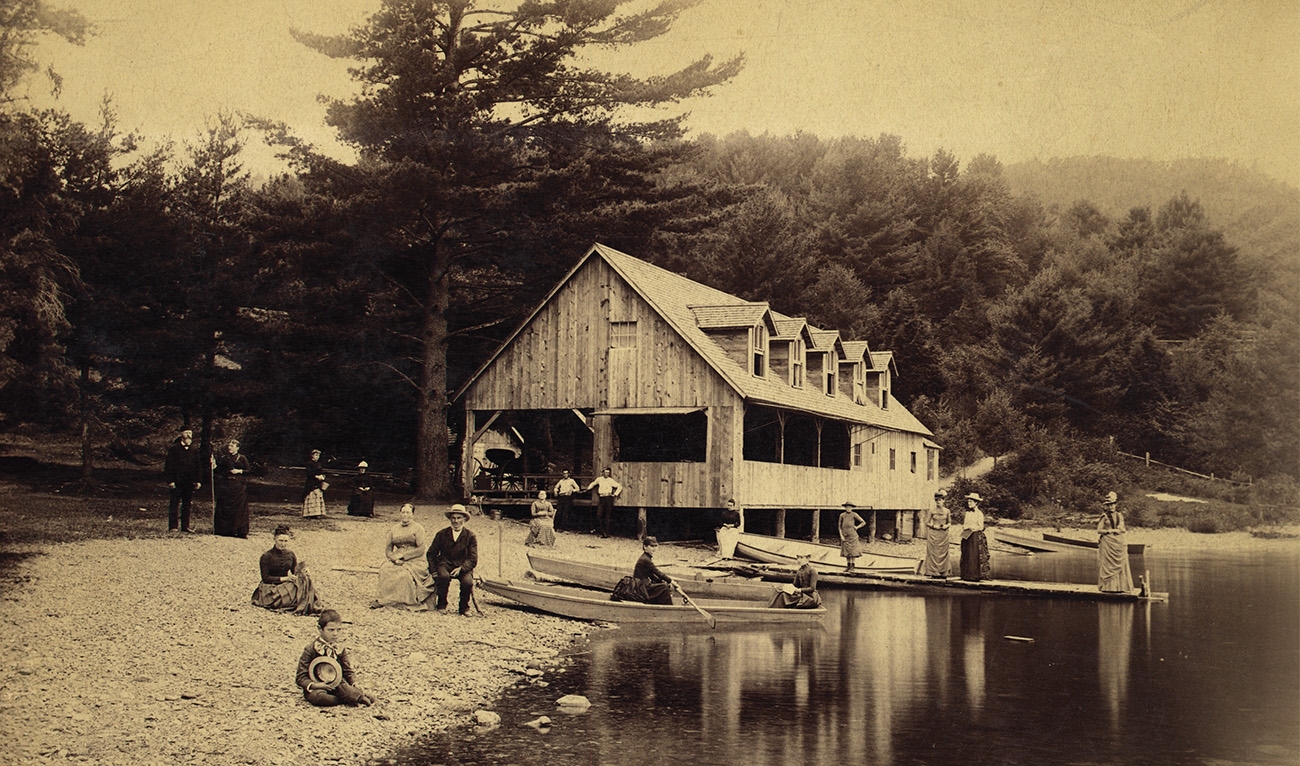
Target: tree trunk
(87, 460)
(432, 478)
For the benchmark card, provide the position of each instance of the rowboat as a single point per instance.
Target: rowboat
(825, 559)
(903, 581)
(581, 604)
(1029, 543)
(724, 585)
(1134, 549)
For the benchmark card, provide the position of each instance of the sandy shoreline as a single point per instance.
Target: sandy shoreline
(148, 651)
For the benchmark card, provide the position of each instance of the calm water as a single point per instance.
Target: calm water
(1213, 676)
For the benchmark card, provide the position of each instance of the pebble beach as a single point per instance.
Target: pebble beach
(147, 651)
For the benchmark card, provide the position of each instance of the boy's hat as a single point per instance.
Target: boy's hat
(1110, 499)
(847, 504)
(325, 670)
(975, 496)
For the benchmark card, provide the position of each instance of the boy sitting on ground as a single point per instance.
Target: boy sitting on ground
(325, 670)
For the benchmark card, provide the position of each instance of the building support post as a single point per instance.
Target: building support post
(780, 522)
(640, 523)
(816, 525)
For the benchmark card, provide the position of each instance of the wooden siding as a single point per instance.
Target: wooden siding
(561, 359)
(736, 343)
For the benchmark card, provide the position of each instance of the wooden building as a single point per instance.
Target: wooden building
(693, 396)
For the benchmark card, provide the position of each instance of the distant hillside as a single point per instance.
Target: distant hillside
(1259, 215)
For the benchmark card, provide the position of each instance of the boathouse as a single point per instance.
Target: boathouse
(692, 396)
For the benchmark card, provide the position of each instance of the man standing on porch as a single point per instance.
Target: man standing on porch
(607, 490)
(565, 489)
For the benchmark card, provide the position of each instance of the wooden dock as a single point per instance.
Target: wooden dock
(955, 585)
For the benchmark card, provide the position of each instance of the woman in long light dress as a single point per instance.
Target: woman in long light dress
(936, 537)
(541, 530)
(1113, 572)
(850, 546)
(404, 578)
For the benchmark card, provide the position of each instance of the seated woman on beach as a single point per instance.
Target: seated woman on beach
(541, 531)
(802, 593)
(285, 586)
(404, 578)
(646, 585)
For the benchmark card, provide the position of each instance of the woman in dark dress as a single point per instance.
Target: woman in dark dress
(313, 488)
(362, 503)
(230, 517)
(974, 546)
(802, 593)
(647, 584)
(285, 585)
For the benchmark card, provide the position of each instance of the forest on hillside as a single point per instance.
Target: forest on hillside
(1048, 313)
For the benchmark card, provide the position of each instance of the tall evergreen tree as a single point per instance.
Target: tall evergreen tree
(469, 116)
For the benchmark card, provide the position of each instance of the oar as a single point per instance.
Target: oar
(708, 617)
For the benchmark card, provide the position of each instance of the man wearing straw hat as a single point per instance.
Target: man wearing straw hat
(454, 554)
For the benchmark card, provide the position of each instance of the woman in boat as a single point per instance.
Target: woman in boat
(850, 545)
(285, 585)
(647, 585)
(404, 578)
(974, 546)
(802, 593)
(1114, 574)
(541, 530)
(936, 537)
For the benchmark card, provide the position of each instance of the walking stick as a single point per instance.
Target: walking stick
(212, 486)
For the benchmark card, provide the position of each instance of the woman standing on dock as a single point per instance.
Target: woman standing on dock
(936, 537)
(1113, 572)
(974, 546)
(850, 545)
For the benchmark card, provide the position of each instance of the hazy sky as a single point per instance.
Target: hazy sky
(1159, 79)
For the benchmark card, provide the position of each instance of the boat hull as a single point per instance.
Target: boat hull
(578, 604)
(696, 584)
(1134, 549)
(825, 559)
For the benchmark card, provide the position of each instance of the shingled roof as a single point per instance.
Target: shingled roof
(673, 296)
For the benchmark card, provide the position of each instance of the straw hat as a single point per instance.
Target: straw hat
(325, 670)
(455, 509)
(975, 496)
(1111, 499)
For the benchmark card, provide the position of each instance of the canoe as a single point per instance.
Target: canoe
(581, 604)
(724, 585)
(824, 558)
(1134, 549)
(877, 580)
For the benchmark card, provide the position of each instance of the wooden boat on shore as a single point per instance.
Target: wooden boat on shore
(824, 558)
(1134, 549)
(582, 604)
(1034, 544)
(696, 584)
(921, 583)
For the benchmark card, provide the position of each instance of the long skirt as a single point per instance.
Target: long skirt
(937, 562)
(405, 584)
(642, 591)
(361, 504)
(230, 517)
(851, 546)
(796, 600)
(298, 597)
(540, 532)
(313, 506)
(975, 557)
(1113, 572)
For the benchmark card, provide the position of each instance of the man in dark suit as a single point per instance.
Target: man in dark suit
(454, 553)
(184, 471)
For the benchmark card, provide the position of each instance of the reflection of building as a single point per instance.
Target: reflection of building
(692, 396)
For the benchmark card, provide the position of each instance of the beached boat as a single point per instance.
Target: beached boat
(1035, 544)
(1134, 549)
(824, 558)
(916, 582)
(582, 604)
(724, 585)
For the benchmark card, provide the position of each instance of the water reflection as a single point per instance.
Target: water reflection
(891, 678)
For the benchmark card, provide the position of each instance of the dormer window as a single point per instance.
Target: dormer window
(797, 363)
(859, 383)
(832, 369)
(884, 398)
(758, 350)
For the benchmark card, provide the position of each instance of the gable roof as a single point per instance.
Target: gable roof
(737, 315)
(882, 359)
(826, 340)
(854, 351)
(679, 300)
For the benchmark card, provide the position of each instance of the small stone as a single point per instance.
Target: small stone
(486, 718)
(539, 723)
(573, 701)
